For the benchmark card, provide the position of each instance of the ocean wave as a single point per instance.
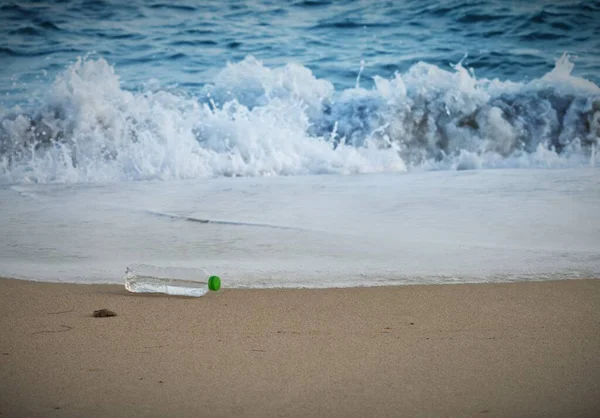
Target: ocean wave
(253, 120)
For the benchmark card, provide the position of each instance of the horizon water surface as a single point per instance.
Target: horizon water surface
(327, 143)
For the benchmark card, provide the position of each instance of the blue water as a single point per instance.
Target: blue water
(112, 91)
(123, 122)
(185, 45)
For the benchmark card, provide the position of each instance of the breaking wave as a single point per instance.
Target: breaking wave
(255, 121)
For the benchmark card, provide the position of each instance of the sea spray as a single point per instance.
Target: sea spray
(254, 120)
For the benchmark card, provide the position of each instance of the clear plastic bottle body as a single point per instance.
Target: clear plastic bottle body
(178, 281)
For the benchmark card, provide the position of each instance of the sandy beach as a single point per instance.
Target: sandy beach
(524, 349)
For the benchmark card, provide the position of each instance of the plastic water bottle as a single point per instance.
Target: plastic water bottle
(143, 278)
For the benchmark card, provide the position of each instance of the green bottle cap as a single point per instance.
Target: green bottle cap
(214, 283)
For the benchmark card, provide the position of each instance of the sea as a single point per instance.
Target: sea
(301, 143)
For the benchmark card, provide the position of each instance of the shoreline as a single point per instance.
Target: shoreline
(388, 283)
(499, 349)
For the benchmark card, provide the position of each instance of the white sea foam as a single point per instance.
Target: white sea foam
(254, 121)
(314, 231)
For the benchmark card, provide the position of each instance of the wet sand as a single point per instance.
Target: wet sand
(522, 349)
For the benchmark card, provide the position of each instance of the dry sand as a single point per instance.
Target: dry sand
(526, 349)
